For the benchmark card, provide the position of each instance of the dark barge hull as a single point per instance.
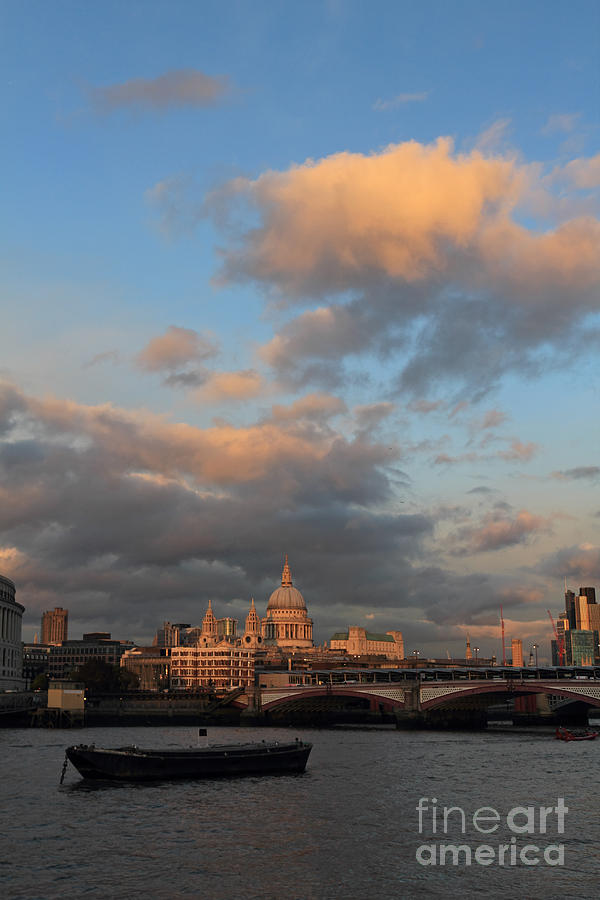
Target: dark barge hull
(226, 761)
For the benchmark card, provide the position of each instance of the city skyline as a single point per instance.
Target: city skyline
(317, 281)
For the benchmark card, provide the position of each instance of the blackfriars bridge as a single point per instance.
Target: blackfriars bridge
(422, 697)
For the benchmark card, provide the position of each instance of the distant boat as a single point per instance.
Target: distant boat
(563, 734)
(223, 761)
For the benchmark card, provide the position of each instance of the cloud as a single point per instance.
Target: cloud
(419, 255)
(176, 88)
(561, 122)
(494, 136)
(176, 347)
(580, 562)
(400, 100)
(579, 473)
(492, 419)
(226, 386)
(180, 353)
(425, 406)
(111, 356)
(498, 530)
(583, 173)
(519, 451)
(444, 459)
(312, 407)
(128, 517)
(371, 415)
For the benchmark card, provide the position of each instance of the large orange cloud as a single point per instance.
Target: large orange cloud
(332, 224)
(439, 255)
(408, 213)
(221, 454)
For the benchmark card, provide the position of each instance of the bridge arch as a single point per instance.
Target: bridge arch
(438, 696)
(385, 698)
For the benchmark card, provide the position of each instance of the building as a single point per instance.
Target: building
(171, 634)
(71, 655)
(55, 626)
(11, 648)
(579, 647)
(286, 623)
(218, 666)
(582, 618)
(517, 652)
(218, 659)
(357, 641)
(152, 665)
(36, 661)
(590, 593)
(570, 607)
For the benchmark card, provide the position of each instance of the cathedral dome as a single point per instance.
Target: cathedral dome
(286, 596)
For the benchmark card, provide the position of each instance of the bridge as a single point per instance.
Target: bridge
(428, 697)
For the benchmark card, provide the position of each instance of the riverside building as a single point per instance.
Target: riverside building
(11, 648)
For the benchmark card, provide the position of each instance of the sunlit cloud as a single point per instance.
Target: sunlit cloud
(421, 253)
(499, 530)
(176, 347)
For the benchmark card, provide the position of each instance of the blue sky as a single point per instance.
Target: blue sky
(316, 279)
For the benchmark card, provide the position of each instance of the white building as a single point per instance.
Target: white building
(11, 648)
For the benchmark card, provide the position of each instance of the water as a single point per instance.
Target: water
(348, 828)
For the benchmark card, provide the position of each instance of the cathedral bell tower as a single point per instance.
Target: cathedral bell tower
(252, 638)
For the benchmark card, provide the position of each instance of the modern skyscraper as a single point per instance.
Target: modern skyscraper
(582, 617)
(55, 625)
(589, 592)
(517, 652)
(570, 608)
(580, 648)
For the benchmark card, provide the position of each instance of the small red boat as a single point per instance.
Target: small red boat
(563, 734)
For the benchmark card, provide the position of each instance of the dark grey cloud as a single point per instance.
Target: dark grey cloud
(579, 562)
(127, 520)
(578, 473)
(176, 88)
(104, 524)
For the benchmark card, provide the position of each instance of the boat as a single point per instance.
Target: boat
(218, 761)
(563, 734)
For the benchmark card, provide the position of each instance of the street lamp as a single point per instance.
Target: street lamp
(535, 647)
(476, 649)
(416, 654)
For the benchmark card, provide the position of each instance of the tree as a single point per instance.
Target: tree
(40, 682)
(101, 678)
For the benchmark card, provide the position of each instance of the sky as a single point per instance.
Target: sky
(318, 279)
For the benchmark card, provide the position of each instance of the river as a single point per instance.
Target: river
(347, 828)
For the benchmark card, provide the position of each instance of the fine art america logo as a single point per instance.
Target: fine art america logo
(521, 822)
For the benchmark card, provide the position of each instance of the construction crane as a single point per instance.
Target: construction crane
(560, 641)
(503, 641)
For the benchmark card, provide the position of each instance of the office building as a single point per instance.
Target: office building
(517, 652)
(55, 626)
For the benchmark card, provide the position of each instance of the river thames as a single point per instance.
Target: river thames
(347, 828)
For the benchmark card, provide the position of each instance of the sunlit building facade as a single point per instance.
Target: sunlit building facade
(358, 641)
(55, 626)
